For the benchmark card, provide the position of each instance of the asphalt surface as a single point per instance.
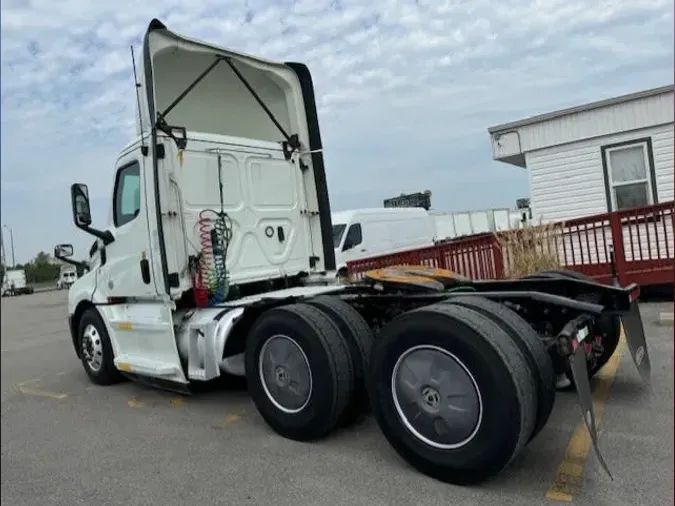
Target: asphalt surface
(67, 442)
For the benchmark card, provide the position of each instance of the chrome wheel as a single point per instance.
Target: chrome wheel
(436, 397)
(92, 348)
(285, 374)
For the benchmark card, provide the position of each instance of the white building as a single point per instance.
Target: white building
(603, 156)
(611, 155)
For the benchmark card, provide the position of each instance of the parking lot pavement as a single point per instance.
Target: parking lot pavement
(67, 442)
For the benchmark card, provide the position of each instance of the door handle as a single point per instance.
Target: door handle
(145, 270)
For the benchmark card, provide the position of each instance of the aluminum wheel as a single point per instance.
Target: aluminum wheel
(285, 374)
(436, 397)
(92, 348)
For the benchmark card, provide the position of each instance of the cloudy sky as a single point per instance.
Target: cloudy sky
(406, 88)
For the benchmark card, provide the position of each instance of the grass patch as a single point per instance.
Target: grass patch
(531, 249)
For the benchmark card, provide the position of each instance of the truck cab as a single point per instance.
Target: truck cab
(221, 195)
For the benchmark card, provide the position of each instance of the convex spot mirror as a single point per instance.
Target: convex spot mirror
(63, 250)
(79, 194)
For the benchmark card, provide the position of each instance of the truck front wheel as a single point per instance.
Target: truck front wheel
(299, 371)
(96, 350)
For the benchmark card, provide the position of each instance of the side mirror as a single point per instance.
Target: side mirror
(63, 251)
(79, 195)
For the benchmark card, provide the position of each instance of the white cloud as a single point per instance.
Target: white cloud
(405, 88)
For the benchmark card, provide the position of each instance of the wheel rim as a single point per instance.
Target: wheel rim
(285, 374)
(92, 348)
(436, 397)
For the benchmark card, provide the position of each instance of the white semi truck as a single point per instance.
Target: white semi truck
(218, 259)
(67, 276)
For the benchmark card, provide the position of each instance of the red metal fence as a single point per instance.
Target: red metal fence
(642, 240)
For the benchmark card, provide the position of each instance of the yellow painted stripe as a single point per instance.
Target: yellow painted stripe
(125, 326)
(568, 476)
(42, 393)
(135, 403)
(176, 401)
(229, 420)
(35, 392)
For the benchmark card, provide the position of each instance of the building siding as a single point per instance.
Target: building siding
(623, 117)
(567, 181)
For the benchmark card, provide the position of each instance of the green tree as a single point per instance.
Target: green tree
(41, 269)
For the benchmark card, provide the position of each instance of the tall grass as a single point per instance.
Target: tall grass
(531, 249)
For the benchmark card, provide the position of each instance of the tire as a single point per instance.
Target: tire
(317, 342)
(359, 339)
(535, 353)
(609, 325)
(506, 402)
(91, 328)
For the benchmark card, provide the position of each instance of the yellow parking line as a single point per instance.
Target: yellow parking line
(33, 392)
(135, 403)
(176, 401)
(228, 420)
(568, 476)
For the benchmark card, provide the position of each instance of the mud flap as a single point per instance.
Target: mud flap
(637, 342)
(583, 388)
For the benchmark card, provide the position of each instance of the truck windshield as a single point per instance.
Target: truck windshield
(338, 232)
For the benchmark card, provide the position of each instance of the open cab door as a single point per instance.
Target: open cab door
(235, 136)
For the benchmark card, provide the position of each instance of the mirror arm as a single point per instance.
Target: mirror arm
(104, 235)
(73, 262)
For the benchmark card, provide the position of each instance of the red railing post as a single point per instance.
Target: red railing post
(617, 243)
(498, 257)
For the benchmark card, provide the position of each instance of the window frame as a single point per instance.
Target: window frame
(353, 225)
(119, 220)
(646, 144)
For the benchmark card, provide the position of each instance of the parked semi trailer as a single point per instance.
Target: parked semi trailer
(219, 260)
(15, 283)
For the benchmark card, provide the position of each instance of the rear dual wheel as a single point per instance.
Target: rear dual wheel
(305, 367)
(452, 392)
(539, 364)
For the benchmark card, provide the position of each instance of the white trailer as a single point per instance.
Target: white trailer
(451, 225)
(219, 259)
(15, 283)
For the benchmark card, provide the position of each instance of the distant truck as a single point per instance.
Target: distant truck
(67, 277)
(367, 233)
(364, 233)
(14, 283)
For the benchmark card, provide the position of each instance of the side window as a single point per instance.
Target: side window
(354, 237)
(629, 175)
(127, 199)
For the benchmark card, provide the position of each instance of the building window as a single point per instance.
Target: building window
(629, 174)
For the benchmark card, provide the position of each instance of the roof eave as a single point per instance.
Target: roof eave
(540, 118)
